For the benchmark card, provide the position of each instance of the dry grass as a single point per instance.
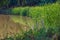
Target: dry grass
(10, 28)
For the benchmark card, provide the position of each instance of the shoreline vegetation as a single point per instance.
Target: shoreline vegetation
(31, 23)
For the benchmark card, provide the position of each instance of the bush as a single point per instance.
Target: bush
(46, 15)
(46, 21)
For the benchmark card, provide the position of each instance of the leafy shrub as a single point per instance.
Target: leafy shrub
(47, 17)
(20, 11)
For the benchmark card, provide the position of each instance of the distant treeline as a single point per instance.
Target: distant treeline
(14, 3)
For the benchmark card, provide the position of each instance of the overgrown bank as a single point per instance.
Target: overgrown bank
(46, 21)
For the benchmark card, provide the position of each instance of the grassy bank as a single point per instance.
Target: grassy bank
(45, 24)
(49, 13)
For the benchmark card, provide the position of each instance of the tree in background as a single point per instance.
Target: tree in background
(14, 3)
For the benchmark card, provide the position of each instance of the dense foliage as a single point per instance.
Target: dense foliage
(14, 3)
(46, 19)
(46, 22)
(49, 14)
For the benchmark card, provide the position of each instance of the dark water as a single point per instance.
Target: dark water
(7, 12)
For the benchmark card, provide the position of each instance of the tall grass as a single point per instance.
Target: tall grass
(48, 13)
(46, 21)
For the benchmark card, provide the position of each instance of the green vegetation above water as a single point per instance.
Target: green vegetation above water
(49, 13)
(46, 21)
